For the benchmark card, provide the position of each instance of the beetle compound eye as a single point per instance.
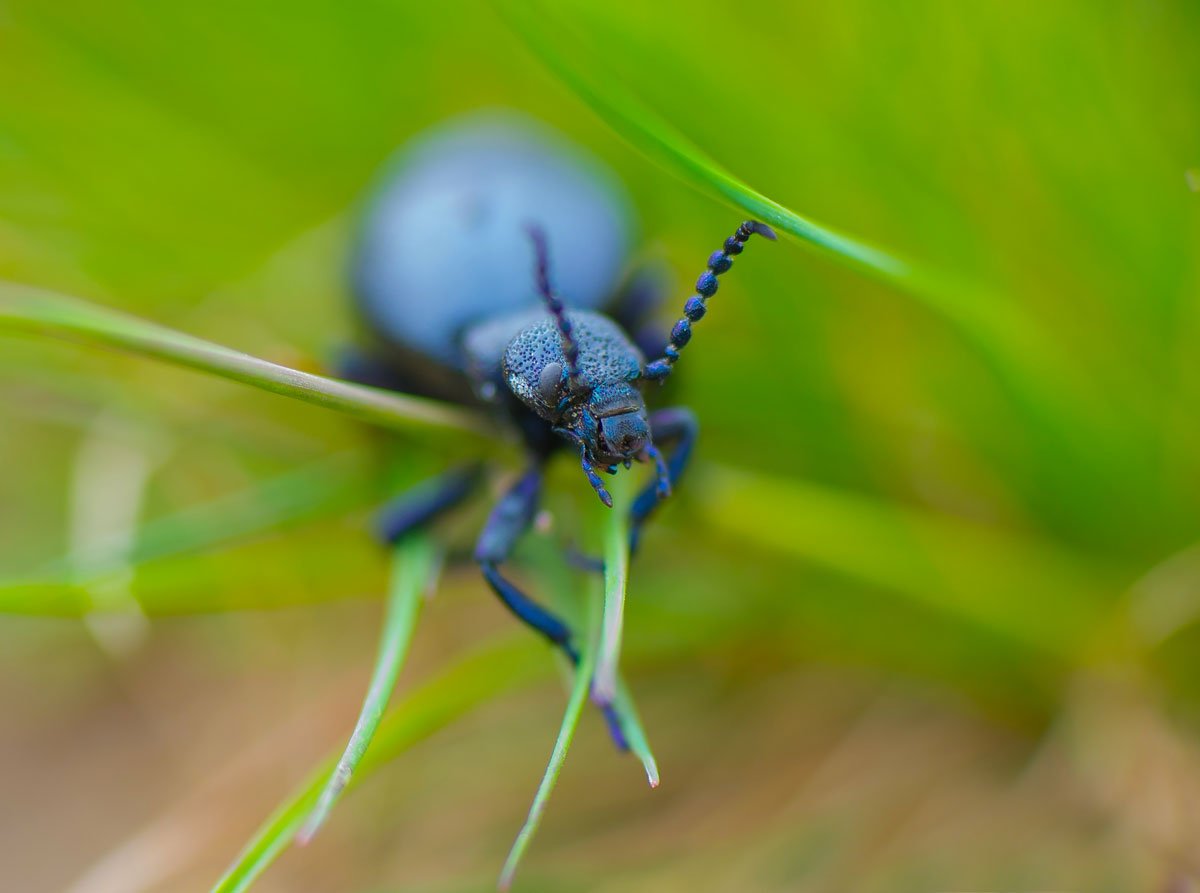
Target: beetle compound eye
(549, 381)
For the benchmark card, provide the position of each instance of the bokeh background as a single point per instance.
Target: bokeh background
(926, 615)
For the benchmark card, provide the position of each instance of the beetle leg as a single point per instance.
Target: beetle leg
(676, 425)
(417, 507)
(511, 517)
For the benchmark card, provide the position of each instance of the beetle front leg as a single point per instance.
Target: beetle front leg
(675, 425)
(509, 520)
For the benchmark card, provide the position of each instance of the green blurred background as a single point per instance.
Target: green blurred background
(926, 616)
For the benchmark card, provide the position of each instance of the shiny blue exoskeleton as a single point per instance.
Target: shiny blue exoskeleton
(452, 276)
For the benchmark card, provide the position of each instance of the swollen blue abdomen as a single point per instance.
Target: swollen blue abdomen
(443, 245)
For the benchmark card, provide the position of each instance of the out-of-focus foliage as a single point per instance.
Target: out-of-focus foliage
(925, 615)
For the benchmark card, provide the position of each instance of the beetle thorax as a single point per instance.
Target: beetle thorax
(535, 368)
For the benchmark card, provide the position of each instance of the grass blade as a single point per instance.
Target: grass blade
(483, 675)
(414, 570)
(566, 732)
(631, 725)
(616, 576)
(26, 309)
(607, 685)
(966, 571)
(652, 135)
(564, 583)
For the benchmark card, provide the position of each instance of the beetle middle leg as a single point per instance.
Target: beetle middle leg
(510, 518)
(675, 425)
(508, 521)
(419, 506)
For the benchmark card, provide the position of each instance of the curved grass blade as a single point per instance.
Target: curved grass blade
(566, 732)
(414, 571)
(27, 309)
(966, 571)
(1010, 338)
(635, 735)
(564, 584)
(607, 685)
(650, 134)
(481, 676)
(616, 577)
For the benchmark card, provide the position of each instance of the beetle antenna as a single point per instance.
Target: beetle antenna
(570, 346)
(706, 286)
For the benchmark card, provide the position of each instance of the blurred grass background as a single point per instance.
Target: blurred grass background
(924, 618)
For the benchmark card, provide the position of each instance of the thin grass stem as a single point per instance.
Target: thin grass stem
(635, 734)
(414, 571)
(483, 675)
(31, 310)
(562, 744)
(616, 577)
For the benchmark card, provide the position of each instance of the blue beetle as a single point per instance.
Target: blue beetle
(451, 275)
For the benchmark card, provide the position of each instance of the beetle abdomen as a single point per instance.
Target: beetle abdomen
(444, 242)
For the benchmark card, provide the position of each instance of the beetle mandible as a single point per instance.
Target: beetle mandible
(451, 273)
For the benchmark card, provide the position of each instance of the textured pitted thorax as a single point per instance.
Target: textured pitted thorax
(606, 355)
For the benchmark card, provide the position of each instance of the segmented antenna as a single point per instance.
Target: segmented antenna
(706, 286)
(570, 347)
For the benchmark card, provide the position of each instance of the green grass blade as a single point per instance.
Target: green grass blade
(26, 309)
(635, 734)
(481, 676)
(607, 685)
(652, 135)
(414, 570)
(566, 732)
(977, 575)
(616, 577)
(564, 584)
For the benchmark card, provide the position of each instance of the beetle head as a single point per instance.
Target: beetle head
(611, 428)
(603, 412)
(613, 424)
